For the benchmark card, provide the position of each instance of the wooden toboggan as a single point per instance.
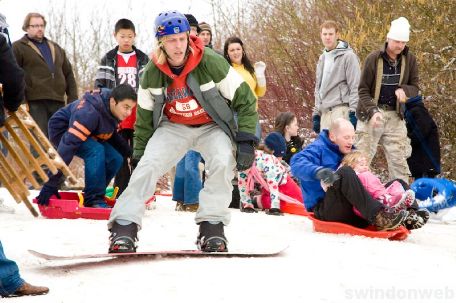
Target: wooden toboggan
(26, 157)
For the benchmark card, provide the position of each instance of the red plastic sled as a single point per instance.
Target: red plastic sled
(397, 234)
(68, 208)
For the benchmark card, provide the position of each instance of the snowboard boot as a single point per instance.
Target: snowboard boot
(211, 237)
(274, 212)
(123, 238)
(387, 219)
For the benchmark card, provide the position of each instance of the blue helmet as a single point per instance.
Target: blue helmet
(170, 23)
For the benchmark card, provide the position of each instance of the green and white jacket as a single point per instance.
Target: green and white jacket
(219, 89)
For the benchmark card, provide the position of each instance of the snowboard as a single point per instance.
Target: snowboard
(162, 253)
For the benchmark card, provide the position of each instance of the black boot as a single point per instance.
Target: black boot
(416, 219)
(211, 237)
(274, 212)
(123, 238)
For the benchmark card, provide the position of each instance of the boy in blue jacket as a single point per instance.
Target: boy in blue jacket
(87, 128)
(318, 162)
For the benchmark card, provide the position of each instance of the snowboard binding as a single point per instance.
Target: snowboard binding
(123, 238)
(211, 237)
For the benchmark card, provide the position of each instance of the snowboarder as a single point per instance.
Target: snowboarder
(187, 97)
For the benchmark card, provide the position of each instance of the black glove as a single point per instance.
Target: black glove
(327, 175)
(46, 193)
(245, 155)
(133, 163)
(352, 118)
(316, 123)
(245, 150)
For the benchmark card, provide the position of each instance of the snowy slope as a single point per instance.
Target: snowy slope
(315, 268)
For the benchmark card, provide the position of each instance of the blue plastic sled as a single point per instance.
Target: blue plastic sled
(434, 194)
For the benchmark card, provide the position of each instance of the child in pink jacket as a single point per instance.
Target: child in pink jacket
(393, 196)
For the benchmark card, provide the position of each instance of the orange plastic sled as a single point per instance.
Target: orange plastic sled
(397, 234)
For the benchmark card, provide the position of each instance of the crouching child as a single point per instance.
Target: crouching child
(87, 128)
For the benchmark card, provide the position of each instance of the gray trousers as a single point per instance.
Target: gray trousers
(167, 146)
(328, 116)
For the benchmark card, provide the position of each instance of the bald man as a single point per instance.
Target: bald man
(318, 163)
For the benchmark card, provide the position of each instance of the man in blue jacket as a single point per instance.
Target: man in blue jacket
(87, 128)
(318, 163)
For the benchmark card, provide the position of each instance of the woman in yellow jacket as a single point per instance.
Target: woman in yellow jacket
(254, 75)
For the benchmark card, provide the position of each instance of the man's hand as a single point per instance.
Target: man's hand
(316, 123)
(245, 155)
(352, 118)
(327, 176)
(400, 94)
(376, 120)
(245, 150)
(46, 193)
(133, 163)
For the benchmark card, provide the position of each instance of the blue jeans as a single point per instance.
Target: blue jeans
(102, 162)
(187, 182)
(10, 280)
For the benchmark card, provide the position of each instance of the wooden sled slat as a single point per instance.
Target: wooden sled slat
(19, 136)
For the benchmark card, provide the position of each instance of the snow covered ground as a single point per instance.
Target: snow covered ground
(315, 268)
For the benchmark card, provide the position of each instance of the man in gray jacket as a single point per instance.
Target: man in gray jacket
(337, 79)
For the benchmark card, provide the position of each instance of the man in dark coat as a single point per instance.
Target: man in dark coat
(12, 79)
(424, 136)
(48, 73)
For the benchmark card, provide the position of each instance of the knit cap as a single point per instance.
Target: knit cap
(191, 20)
(205, 27)
(399, 30)
(276, 142)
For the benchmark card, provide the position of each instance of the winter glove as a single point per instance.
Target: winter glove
(46, 193)
(352, 118)
(133, 163)
(327, 176)
(316, 123)
(245, 150)
(260, 68)
(245, 155)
